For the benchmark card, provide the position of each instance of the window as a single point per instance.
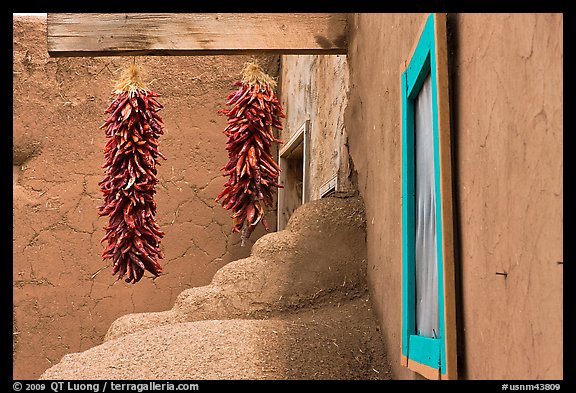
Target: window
(428, 307)
(293, 160)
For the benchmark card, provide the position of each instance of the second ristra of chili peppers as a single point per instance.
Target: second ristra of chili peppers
(254, 114)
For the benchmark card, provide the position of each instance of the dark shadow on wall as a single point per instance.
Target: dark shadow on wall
(453, 41)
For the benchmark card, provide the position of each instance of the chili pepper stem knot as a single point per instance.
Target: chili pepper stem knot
(254, 74)
(130, 81)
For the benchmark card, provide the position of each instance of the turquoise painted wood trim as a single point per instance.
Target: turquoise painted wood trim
(423, 62)
(409, 187)
(408, 221)
(425, 351)
(419, 66)
(408, 285)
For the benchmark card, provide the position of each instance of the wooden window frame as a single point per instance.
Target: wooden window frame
(433, 358)
(302, 136)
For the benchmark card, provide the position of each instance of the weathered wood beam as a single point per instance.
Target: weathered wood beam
(195, 34)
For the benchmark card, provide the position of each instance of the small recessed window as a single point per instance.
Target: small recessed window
(293, 160)
(428, 306)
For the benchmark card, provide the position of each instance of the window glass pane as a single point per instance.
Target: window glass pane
(425, 240)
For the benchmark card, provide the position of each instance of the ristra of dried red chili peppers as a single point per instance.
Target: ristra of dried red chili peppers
(131, 155)
(251, 169)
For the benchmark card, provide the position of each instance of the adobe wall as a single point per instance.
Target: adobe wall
(65, 297)
(506, 77)
(507, 127)
(508, 82)
(315, 88)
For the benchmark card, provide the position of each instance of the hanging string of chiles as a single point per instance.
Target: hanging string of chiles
(131, 155)
(252, 172)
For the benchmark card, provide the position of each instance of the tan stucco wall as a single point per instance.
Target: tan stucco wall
(507, 127)
(314, 88)
(377, 45)
(508, 166)
(509, 114)
(64, 295)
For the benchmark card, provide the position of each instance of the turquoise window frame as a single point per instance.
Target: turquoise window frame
(429, 352)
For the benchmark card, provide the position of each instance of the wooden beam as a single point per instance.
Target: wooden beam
(195, 34)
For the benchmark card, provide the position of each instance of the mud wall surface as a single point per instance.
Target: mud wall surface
(509, 129)
(315, 88)
(507, 126)
(64, 295)
(378, 45)
(506, 85)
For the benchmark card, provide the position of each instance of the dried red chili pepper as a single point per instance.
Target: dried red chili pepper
(131, 155)
(255, 112)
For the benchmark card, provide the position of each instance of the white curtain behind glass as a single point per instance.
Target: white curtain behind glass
(426, 259)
